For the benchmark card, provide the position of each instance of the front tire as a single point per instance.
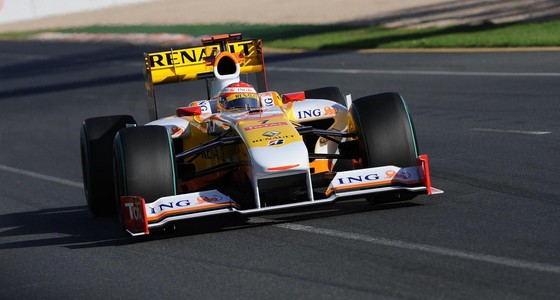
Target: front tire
(96, 144)
(144, 163)
(385, 136)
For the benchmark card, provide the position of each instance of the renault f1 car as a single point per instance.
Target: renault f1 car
(295, 149)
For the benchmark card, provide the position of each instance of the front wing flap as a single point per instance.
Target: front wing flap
(381, 179)
(139, 217)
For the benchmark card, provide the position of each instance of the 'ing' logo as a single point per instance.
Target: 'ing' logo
(358, 179)
(326, 111)
(169, 205)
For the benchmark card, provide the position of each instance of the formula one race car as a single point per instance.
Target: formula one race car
(246, 149)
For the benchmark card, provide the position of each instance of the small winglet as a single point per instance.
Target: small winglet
(424, 165)
(133, 211)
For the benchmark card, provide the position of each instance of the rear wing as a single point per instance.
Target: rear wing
(196, 63)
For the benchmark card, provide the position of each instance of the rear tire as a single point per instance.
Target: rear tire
(329, 93)
(385, 136)
(96, 144)
(144, 163)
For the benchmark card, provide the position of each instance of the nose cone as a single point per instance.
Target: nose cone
(272, 159)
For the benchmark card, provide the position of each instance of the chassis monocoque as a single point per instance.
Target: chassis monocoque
(297, 149)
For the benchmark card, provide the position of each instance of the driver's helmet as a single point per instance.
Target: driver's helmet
(238, 95)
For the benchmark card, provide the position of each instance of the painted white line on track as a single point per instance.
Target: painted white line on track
(498, 260)
(42, 176)
(8, 228)
(512, 131)
(408, 72)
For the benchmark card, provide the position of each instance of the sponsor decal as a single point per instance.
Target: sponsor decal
(133, 215)
(401, 175)
(240, 96)
(329, 111)
(276, 142)
(273, 116)
(267, 100)
(287, 136)
(194, 55)
(177, 130)
(265, 125)
(206, 199)
(239, 90)
(314, 113)
(374, 177)
(134, 210)
(160, 207)
(204, 106)
(185, 204)
(271, 133)
(304, 114)
(358, 179)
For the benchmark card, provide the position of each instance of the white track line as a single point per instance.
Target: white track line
(512, 131)
(8, 228)
(406, 72)
(498, 260)
(42, 176)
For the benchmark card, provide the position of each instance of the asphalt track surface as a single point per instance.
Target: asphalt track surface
(489, 122)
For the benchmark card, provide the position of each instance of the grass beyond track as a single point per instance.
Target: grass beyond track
(313, 37)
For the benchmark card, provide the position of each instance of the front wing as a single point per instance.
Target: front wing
(139, 217)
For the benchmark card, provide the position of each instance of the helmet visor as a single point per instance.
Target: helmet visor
(241, 101)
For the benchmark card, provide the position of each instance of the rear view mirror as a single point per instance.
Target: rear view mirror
(188, 111)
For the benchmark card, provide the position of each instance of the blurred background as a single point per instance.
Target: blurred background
(24, 15)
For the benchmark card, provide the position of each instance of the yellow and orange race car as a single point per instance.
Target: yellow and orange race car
(246, 149)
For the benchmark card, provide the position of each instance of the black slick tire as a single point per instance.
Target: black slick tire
(96, 147)
(144, 163)
(385, 136)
